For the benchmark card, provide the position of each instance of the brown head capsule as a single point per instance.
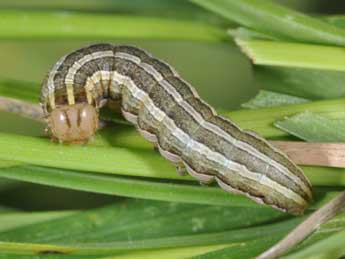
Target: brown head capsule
(73, 123)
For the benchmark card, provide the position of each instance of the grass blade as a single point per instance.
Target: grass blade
(336, 20)
(266, 99)
(254, 247)
(332, 247)
(116, 228)
(172, 253)
(159, 190)
(276, 20)
(262, 120)
(19, 24)
(100, 159)
(122, 186)
(312, 84)
(307, 227)
(22, 90)
(298, 55)
(244, 250)
(10, 220)
(151, 8)
(112, 159)
(313, 127)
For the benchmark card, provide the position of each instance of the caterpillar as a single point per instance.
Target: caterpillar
(168, 112)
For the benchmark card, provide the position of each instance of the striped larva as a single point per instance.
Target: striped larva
(167, 111)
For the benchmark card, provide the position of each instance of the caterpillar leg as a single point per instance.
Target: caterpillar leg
(181, 169)
(148, 136)
(114, 105)
(168, 155)
(130, 117)
(203, 178)
(226, 187)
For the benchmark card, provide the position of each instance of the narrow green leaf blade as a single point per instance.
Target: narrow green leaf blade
(26, 91)
(331, 247)
(276, 20)
(266, 99)
(285, 54)
(262, 120)
(124, 186)
(243, 250)
(312, 84)
(112, 160)
(309, 247)
(336, 20)
(116, 228)
(313, 127)
(150, 8)
(18, 24)
(11, 220)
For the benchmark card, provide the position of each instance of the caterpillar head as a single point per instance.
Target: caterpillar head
(73, 123)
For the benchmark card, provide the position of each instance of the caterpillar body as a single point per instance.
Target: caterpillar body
(167, 111)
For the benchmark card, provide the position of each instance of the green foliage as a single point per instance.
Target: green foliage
(307, 124)
(276, 21)
(175, 217)
(266, 99)
(52, 25)
(285, 54)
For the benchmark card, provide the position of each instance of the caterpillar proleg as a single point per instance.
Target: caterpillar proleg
(168, 112)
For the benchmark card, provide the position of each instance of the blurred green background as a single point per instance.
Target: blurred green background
(219, 71)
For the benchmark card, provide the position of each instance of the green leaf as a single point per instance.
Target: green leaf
(18, 24)
(309, 71)
(159, 190)
(245, 33)
(312, 84)
(179, 9)
(114, 160)
(23, 90)
(11, 220)
(313, 127)
(16, 251)
(262, 120)
(173, 253)
(325, 176)
(266, 99)
(276, 20)
(7, 184)
(125, 186)
(116, 228)
(108, 159)
(254, 247)
(244, 250)
(336, 20)
(297, 55)
(331, 247)
(337, 224)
